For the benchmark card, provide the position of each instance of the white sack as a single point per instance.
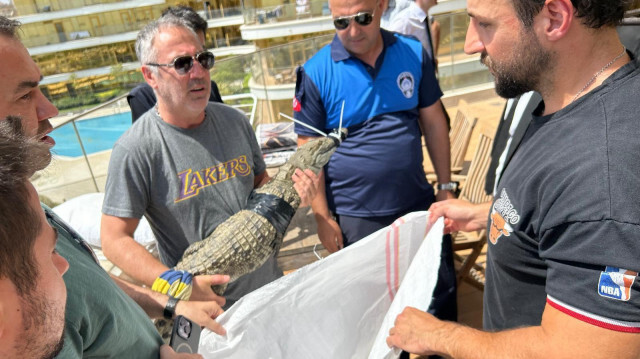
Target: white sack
(336, 307)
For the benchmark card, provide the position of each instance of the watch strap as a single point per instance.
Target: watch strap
(170, 308)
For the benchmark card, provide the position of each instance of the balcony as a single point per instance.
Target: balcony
(286, 20)
(52, 14)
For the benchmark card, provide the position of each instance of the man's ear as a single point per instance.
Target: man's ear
(556, 18)
(149, 76)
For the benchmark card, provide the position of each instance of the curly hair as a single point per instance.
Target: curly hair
(593, 13)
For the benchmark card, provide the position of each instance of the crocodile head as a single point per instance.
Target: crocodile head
(316, 153)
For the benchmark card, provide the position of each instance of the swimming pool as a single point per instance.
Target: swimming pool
(97, 134)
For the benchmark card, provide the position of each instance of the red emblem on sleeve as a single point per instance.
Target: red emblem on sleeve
(296, 105)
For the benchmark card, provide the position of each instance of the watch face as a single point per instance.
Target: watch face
(451, 186)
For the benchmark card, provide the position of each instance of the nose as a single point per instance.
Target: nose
(45, 109)
(198, 70)
(353, 28)
(472, 43)
(61, 264)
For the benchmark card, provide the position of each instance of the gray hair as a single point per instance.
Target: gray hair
(9, 27)
(145, 50)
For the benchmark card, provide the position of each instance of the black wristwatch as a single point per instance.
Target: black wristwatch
(449, 186)
(170, 308)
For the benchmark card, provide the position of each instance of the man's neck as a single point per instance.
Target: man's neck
(580, 68)
(180, 119)
(371, 56)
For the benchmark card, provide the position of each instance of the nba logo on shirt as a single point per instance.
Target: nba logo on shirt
(615, 283)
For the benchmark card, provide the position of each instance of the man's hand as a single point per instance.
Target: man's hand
(412, 331)
(306, 184)
(460, 215)
(330, 234)
(202, 313)
(166, 352)
(202, 288)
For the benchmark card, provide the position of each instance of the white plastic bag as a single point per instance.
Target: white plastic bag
(340, 306)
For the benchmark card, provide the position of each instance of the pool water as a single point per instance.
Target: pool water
(97, 134)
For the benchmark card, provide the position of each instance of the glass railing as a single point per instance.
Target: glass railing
(457, 69)
(225, 41)
(276, 65)
(286, 12)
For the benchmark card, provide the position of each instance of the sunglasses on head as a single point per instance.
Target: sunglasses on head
(362, 18)
(184, 64)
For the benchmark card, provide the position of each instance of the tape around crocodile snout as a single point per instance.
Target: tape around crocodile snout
(275, 209)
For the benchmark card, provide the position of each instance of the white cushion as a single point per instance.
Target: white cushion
(84, 213)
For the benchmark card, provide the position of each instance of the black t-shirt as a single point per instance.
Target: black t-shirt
(564, 228)
(142, 98)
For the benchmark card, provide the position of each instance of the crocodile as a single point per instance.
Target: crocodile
(243, 242)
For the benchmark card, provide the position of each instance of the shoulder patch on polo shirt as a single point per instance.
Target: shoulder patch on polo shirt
(406, 83)
(296, 105)
(616, 283)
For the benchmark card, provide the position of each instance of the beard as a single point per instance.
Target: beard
(43, 332)
(523, 71)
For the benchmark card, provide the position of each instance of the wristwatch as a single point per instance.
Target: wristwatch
(448, 186)
(170, 308)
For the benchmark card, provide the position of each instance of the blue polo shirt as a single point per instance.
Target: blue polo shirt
(377, 171)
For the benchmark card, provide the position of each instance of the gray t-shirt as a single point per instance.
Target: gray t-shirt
(187, 181)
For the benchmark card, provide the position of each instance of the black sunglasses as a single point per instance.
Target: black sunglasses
(184, 64)
(362, 18)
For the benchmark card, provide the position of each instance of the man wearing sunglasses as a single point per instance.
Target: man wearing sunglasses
(391, 99)
(142, 97)
(104, 316)
(187, 165)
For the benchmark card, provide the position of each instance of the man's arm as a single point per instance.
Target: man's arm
(559, 336)
(436, 134)
(122, 250)
(460, 215)
(153, 304)
(261, 179)
(329, 231)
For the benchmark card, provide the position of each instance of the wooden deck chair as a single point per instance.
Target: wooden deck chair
(459, 136)
(467, 247)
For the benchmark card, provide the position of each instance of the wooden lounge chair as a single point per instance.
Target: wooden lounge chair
(459, 136)
(467, 246)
